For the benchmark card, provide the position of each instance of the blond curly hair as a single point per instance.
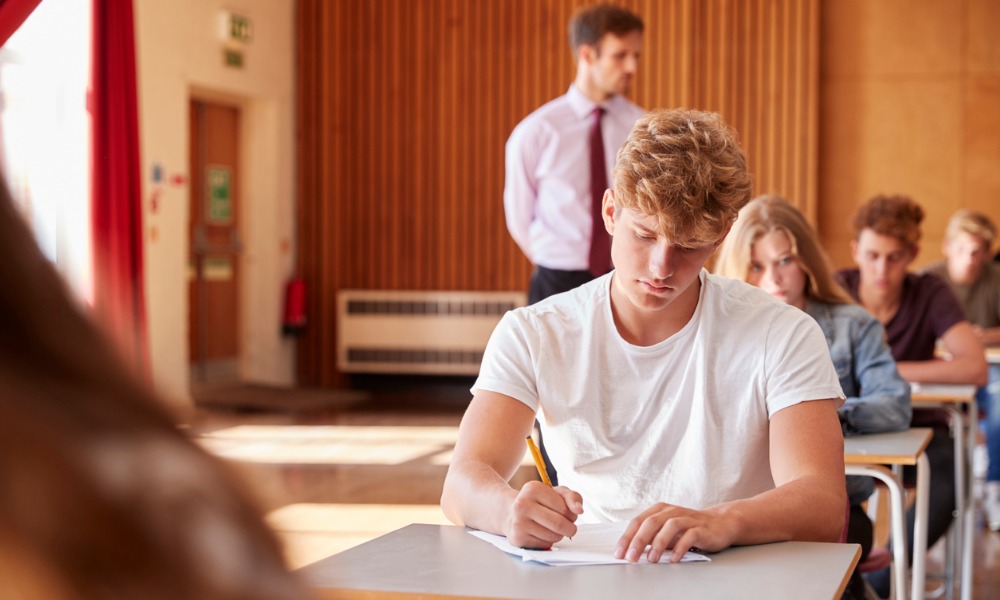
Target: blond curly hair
(687, 168)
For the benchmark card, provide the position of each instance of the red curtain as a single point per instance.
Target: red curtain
(116, 201)
(12, 14)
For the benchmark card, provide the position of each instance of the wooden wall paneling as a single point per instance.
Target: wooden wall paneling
(757, 118)
(337, 200)
(368, 185)
(423, 86)
(809, 137)
(405, 107)
(769, 163)
(307, 166)
(793, 151)
(389, 235)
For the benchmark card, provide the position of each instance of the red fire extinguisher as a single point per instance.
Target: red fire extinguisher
(294, 320)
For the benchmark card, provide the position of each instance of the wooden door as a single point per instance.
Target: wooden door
(213, 267)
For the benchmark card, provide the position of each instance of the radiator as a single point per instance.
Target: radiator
(443, 333)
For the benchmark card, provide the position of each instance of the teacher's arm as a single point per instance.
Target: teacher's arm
(476, 492)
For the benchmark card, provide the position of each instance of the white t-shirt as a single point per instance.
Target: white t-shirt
(684, 421)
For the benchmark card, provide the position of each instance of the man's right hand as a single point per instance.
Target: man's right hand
(541, 515)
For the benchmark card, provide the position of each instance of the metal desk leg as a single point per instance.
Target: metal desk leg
(958, 430)
(960, 568)
(969, 523)
(897, 518)
(920, 527)
(959, 532)
(967, 555)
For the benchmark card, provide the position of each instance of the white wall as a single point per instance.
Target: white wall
(180, 55)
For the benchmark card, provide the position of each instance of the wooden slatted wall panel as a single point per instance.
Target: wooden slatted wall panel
(405, 106)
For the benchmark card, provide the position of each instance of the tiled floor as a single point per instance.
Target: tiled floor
(333, 478)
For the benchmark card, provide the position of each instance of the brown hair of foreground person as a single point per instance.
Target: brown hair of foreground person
(103, 497)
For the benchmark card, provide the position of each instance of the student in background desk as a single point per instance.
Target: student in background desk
(773, 247)
(695, 407)
(976, 282)
(916, 310)
(103, 497)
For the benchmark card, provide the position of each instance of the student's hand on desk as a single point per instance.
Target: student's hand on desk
(664, 527)
(541, 515)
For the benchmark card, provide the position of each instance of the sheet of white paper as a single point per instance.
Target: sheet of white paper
(942, 389)
(593, 544)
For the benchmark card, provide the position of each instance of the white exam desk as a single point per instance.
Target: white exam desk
(438, 562)
(866, 455)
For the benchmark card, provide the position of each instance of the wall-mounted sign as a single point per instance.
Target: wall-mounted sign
(232, 58)
(218, 195)
(235, 28)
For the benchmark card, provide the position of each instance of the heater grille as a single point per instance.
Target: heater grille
(417, 332)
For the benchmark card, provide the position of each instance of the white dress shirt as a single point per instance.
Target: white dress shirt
(547, 199)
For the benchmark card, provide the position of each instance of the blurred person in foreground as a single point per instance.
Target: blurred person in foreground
(103, 497)
(773, 247)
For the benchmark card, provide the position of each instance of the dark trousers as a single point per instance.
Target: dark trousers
(547, 282)
(859, 531)
(941, 497)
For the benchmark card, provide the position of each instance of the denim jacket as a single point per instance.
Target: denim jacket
(878, 399)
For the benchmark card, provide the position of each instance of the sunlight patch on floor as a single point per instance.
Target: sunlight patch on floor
(334, 444)
(312, 532)
(329, 444)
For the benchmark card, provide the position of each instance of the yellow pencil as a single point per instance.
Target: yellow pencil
(539, 463)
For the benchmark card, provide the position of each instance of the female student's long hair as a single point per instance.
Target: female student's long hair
(768, 213)
(103, 497)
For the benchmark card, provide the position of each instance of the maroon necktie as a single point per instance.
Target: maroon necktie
(600, 242)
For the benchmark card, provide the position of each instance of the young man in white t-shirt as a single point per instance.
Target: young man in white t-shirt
(699, 409)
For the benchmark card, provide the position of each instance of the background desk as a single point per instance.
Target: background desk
(865, 455)
(442, 561)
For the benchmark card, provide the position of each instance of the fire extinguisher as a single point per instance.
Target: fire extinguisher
(294, 320)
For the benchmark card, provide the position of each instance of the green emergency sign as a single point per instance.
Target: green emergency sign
(219, 209)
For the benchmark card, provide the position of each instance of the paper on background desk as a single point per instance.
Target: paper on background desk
(942, 389)
(593, 544)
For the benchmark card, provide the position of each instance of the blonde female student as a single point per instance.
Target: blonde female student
(772, 247)
(103, 497)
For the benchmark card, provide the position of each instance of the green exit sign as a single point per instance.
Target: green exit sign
(236, 28)
(239, 28)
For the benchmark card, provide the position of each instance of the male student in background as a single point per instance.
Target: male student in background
(967, 269)
(918, 312)
(558, 158)
(699, 409)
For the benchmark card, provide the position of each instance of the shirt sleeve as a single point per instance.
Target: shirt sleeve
(508, 366)
(797, 362)
(883, 402)
(520, 183)
(945, 310)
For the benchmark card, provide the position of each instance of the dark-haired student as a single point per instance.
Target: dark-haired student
(917, 310)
